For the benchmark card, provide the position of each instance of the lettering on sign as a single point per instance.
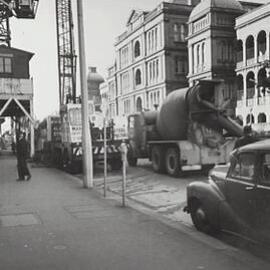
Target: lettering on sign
(15, 86)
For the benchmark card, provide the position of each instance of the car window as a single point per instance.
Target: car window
(265, 179)
(243, 167)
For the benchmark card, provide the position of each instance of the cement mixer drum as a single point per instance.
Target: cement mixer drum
(172, 119)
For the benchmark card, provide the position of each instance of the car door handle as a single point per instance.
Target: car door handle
(249, 188)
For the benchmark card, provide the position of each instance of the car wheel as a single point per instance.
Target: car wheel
(200, 219)
(172, 162)
(157, 158)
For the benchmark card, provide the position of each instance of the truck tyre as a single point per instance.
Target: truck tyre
(158, 160)
(172, 161)
(132, 161)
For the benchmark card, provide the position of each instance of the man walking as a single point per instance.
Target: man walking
(21, 158)
(247, 138)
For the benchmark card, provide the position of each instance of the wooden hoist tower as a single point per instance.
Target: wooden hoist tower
(16, 85)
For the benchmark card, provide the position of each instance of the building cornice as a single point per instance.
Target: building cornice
(252, 16)
(163, 8)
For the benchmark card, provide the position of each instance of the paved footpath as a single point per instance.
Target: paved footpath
(52, 223)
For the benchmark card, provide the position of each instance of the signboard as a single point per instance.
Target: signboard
(53, 128)
(11, 86)
(120, 127)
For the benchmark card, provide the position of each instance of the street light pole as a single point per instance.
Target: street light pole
(86, 135)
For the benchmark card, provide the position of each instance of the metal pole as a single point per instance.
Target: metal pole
(32, 132)
(86, 134)
(124, 182)
(105, 157)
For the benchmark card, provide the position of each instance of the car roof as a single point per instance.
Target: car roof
(257, 146)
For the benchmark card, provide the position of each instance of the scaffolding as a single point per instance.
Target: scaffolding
(66, 52)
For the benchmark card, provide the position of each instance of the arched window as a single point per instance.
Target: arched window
(240, 87)
(150, 71)
(250, 47)
(262, 118)
(138, 79)
(198, 55)
(183, 31)
(250, 119)
(261, 80)
(203, 53)
(137, 49)
(176, 36)
(239, 51)
(250, 85)
(139, 104)
(239, 120)
(261, 41)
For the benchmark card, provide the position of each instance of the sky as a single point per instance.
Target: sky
(104, 20)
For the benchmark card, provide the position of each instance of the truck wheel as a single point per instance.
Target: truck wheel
(132, 161)
(157, 158)
(200, 219)
(172, 162)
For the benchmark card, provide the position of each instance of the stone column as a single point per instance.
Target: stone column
(255, 49)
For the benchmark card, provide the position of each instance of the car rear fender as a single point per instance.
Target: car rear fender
(207, 194)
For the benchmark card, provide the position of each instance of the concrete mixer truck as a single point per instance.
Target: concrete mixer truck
(189, 132)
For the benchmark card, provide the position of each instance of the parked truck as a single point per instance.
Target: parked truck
(60, 140)
(189, 132)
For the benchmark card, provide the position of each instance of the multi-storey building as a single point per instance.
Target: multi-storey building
(108, 91)
(253, 55)
(211, 41)
(151, 58)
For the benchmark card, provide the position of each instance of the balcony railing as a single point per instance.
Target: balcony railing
(264, 100)
(239, 103)
(240, 94)
(239, 64)
(262, 57)
(250, 102)
(261, 127)
(250, 61)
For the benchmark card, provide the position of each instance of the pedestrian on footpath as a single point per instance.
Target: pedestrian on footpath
(22, 152)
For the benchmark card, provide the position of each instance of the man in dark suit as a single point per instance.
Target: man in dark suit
(247, 138)
(21, 158)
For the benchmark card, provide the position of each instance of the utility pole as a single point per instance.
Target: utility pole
(86, 135)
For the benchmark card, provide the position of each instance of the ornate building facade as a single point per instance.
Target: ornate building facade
(151, 58)
(173, 46)
(253, 55)
(211, 40)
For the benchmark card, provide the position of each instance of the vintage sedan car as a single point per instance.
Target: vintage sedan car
(236, 197)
